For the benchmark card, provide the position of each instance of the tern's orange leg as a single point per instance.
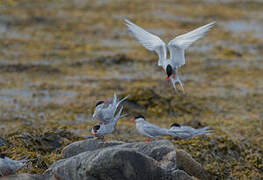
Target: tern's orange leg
(147, 140)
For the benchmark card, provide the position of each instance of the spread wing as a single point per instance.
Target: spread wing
(180, 43)
(148, 40)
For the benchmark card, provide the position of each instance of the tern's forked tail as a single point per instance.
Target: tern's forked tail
(123, 99)
(118, 115)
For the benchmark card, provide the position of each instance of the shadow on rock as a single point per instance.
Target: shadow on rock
(118, 160)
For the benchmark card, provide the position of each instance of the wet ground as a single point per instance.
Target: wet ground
(58, 57)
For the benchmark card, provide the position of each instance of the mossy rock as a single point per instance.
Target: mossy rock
(224, 157)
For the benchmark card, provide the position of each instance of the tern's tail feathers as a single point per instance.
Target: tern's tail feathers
(203, 131)
(118, 115)
(115, 99)
(123, 99)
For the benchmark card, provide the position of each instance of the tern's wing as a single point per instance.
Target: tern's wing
(154, 130)
(180, 43)
(103, 113)
(187, 132)
(148, 40)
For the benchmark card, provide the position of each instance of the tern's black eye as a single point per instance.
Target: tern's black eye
(99, 102)
(175, 125)
(96, 127)
(139, 116)
(2, 156)
(169, 70)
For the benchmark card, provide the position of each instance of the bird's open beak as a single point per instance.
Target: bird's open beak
(94, 133)
(132, 120)
(167, 77)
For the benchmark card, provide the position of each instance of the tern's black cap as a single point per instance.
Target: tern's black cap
(2, 156)
(99, 102)
(169, 70)
(96, 127)
(175, 125)
(139, 116)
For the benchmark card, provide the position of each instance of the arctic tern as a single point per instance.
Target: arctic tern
(9, 166)
(101, 130)
(187, 132)
(150, 130)
(176, 48)
(105, 110)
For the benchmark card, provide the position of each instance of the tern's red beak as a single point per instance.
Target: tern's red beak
(94, 133)
(167, 77)
(132, 120)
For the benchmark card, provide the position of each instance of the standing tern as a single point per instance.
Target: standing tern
(187, 132)
(105, 110)
(176, 48)
(150, 130)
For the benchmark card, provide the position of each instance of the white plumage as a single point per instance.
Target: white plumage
(176, 46)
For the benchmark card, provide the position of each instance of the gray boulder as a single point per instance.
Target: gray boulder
(23, 177)
(108, 163)
(180, 175)
(155, 149)
(99, 160)
(86, 145)
(185, 162)
(169, 161)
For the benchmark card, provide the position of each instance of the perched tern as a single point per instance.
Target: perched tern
(105, 110)
(101, 130)
(176, 48)
(150, 130)
(9, 166)
(187, 132)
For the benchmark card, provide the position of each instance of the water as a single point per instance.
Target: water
(253, 28)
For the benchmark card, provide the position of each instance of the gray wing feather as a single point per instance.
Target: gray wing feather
(180, 43)
(148, 40)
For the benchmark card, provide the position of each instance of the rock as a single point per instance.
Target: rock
(185, 162)
(169, 161)
(86, 145)
(107, 163)
(98, 160)
(155, 149)
(23, 177)
(181, 175)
